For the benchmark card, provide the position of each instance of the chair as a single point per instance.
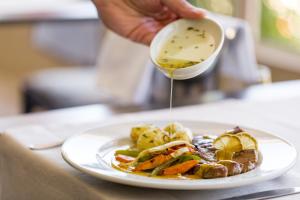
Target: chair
(60, 88)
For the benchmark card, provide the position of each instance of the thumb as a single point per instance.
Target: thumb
(184, 9)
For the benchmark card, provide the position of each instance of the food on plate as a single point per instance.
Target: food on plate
(205, 148)
(227, 145)
(148, 136)
(173, 127)
(151, 138)
(184, 135)
(247, 141)
(173, 152)
(248, 158)
(212, 170)
(137, 130)
(124, 158)
(233, 167)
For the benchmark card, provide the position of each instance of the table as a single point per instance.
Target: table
(26, 174)
(29, 11)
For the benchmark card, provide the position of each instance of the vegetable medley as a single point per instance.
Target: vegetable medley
(173, 152)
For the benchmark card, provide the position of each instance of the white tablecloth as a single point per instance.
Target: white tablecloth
(26, 174)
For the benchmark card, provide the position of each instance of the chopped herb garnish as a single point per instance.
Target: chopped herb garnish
(202, 35)
(196, 47)
(190, 28)
(211, 45)
(202, 59)
(166, 138)
(151, 141)
(145, 136)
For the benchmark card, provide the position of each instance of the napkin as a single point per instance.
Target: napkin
(40, 135)
(33, 135)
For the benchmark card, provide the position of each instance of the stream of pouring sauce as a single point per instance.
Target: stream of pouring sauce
(171, 95)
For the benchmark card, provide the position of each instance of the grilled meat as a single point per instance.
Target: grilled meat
(248, 158)
(235, 130)
(205, 148)
(211, 171)
(233, 167)
(248, 166)
(201, 140)
(241, 162)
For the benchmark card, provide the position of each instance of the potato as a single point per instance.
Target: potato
(162, 137)
(152, 138)
(184, 134)
(173, 127)
(137, 130)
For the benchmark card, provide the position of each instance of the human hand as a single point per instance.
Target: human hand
(140, 20)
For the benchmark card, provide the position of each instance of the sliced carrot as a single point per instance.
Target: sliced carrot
(124, 159)
(153, 162)
(180, 168)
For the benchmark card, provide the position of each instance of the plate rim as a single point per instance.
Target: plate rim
(145, 184)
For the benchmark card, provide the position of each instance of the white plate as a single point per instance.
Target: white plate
(91, 152)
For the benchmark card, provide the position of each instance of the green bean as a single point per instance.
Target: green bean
(144, 158)
(184, 158)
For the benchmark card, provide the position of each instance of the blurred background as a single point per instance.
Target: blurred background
(57, 54)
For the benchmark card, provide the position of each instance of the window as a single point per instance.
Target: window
(280, 23)
(275, 25)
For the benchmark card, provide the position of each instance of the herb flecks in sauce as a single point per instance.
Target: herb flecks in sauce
(185, 48)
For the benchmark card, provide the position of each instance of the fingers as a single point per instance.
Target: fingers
(145, 31)
(184, 9)
(147, 39)
(164, 14)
